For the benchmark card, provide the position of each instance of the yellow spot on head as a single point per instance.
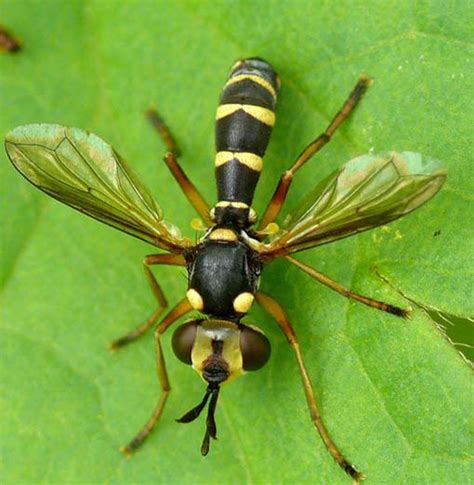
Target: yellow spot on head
(223, 234)
(243, 302)
(195, 299)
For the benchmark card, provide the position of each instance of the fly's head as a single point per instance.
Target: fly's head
(219, 351)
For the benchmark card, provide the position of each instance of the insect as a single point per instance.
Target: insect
(225, 265)
(8, 43)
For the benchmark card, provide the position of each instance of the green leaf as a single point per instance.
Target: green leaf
(395, 394)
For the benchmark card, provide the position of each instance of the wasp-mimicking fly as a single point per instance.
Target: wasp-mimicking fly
(225, 265)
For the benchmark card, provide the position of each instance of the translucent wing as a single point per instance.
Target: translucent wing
(84, 172)
(366, 192)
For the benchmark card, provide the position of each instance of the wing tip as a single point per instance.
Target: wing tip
(425, 164)
(25, 134)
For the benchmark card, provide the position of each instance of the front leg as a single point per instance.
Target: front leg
(177, 312)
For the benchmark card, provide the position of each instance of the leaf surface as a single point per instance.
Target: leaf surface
(395, 395)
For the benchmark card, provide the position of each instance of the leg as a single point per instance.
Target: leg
(325, 280)
(160, 126)
(171, 259)
(189, 189)
(178, 311)
(279, 196)
(276, 311)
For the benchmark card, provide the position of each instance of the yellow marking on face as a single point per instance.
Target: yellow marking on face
(264, 115)
(222, 234)
(248, 159)
(256, 79)
(243, 302)
(195, 299)
(223, 330)
(228, 203)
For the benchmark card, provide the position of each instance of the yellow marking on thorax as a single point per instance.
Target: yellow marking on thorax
(223, 234)
(245, 158)
(243, 302)
(256, 79)
(229, 203)
(195, 299)
(264, 115)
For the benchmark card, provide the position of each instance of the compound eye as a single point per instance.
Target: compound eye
(183, 341)
(255, 348)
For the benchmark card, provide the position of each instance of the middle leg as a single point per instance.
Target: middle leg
(334, 285)
(177, 312)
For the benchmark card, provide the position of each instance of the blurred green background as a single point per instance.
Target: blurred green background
(396, 395)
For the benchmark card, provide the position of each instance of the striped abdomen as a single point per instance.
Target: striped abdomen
(244, 122)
